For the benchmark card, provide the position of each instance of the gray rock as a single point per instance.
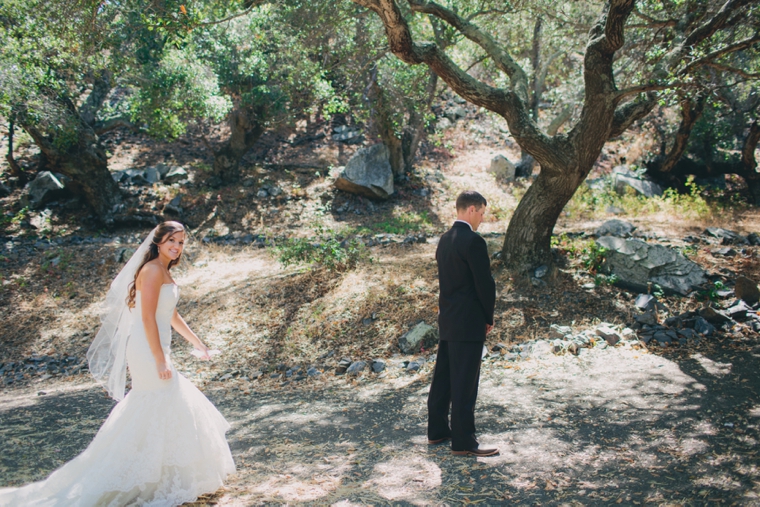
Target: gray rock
(753, 238)
(746, 290)
(559, 332)
(738, 311)
(152, 175)
(688, 333)
(726, 237)
(274, 191)
(713, 316)
(541, 271)
(662, 338)
(175, 175)
(173, 207)
(615, 227)
(343, 365)
(610, 335)
(638, 264)
(421, 335)
(313, 372)
(356, 368)
(615, 210)
(163, 169)
(44, 188)
(623, 179)
(368, 173)
(443, 124)
(502, 168)
(703, 327)
(726, 251)
(648, 318)
(414, 366)
(454, 113)
(262, 194)
(378, 365)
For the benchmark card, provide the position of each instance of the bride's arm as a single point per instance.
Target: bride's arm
(179, 325)
(151, 279)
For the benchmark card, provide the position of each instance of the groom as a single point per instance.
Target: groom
(465, 317)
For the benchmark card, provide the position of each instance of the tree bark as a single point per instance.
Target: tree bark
(245, 130)
(527, 244)
(85, 162)
(16, 170)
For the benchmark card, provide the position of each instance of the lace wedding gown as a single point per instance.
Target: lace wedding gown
(162, 445)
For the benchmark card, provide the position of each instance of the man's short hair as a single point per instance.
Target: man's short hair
(470, 198)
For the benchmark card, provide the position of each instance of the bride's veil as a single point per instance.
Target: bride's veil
(107, 353)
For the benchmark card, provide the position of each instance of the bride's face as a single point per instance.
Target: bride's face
(173, 245)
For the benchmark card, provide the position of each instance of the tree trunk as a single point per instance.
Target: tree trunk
(86, 164)
(527, 244)
(244, 132)
(16, 170)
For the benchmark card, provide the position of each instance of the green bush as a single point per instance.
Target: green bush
(326, 251)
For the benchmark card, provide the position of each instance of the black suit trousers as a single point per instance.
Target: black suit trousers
(455, 385)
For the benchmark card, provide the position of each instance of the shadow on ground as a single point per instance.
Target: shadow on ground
(610, 426)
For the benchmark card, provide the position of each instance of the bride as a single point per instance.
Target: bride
(163, 444)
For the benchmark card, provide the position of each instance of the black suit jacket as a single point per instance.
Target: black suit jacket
(467, 289)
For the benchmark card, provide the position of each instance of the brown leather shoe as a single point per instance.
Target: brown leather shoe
(476, 452)
(438, 441)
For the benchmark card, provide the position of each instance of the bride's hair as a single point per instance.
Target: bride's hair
(163, 232)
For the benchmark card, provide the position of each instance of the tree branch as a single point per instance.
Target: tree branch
(630, 112)
(102, 127)
(635, 90)
(652, 22)
(731, 48)
(502, 59)
(726, 68)
(253, 5)
(705, 30)
(690, 114)
(101, 86)
(559, 120)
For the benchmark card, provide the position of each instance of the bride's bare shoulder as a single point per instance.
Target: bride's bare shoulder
(151, 274)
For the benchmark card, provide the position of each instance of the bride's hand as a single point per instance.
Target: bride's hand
(164, 372)
(203, 352)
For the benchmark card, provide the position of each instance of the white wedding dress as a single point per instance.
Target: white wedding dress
(162, 445)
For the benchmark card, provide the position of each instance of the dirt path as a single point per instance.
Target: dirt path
(609, 426)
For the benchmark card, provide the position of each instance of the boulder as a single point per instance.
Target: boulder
(615, 227)
(638, 264)
(746, 290)
(623, 178)
(421, 335)
(175, 175)
(44, 188)
(502, 168)
(368, 173)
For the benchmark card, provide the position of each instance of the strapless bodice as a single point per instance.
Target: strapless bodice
(167, 302)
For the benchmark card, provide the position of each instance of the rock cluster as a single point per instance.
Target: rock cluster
(150, 175)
